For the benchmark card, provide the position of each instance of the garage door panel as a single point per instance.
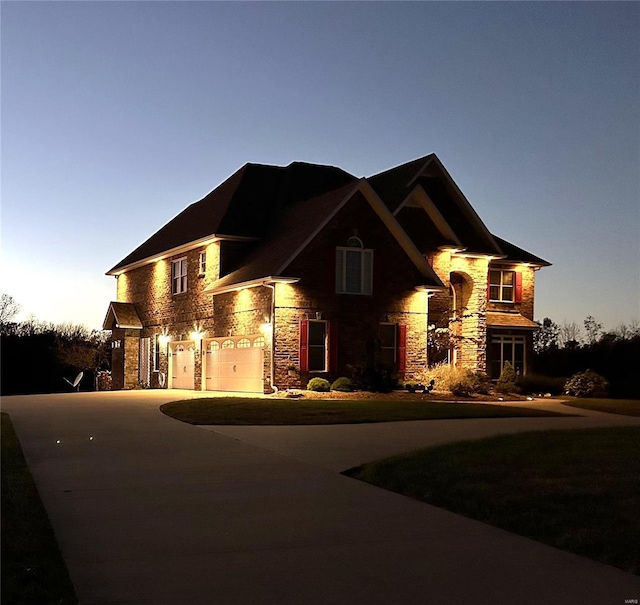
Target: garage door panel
(234, 369)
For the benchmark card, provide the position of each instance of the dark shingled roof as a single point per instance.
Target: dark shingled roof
(518, 254)
(241, 206)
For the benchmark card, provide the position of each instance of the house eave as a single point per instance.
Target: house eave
(203, 241)
(253, 283)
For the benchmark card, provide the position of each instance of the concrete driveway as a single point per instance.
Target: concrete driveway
(149, 510)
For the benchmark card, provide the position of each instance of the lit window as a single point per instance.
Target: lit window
(202, 263)
(179, 276)
(259, 342)
(214, 345)
(354, 268)
(243, 343)
(501, 285)
(228, 344)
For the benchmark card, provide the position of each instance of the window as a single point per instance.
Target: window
(388, 347)
(228, 344)
(505, 286)
(318, 346)
(354, 268)
(156, 352)
(202, 263)
(179, 276)
(506, 348)
(259, 342)
(243, 343)
(393, 346)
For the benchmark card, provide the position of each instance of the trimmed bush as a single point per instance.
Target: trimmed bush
(318, 384)
(507, 381)
(586, 384)
(342, 384)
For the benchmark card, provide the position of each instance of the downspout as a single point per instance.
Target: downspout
(272, 321)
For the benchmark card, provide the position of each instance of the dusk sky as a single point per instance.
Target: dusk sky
(117, 115)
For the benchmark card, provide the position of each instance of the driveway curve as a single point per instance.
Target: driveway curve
(152, 511)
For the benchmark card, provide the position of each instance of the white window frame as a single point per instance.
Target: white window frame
(365, 287)
(202, 263)
(179, 275)
(502, 287)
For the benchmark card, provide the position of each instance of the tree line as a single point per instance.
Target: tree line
(561, 350)
(42, 357)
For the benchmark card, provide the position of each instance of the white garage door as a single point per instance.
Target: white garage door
(182, 365)
(235, 364)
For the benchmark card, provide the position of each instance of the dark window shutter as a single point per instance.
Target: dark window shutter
(304, 345)
(518, 292)
(402, 348)
(332, 338)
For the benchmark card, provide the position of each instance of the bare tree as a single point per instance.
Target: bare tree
(9, 308)
(570, 334)
(593, 329)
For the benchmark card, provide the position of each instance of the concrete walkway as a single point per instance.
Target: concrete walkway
(152, 511)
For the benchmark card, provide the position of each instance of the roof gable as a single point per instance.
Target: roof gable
(121, 315)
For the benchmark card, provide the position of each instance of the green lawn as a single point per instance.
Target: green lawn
(578, 490)
(254, 411)
(33, 571)
(626, 407)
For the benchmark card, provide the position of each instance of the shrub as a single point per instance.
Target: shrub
(539, 383)
(461, 382)
(586, 384)
(318, 384)
(342, 384)
(507, 381)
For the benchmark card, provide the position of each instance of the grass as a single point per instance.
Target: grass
(577, 490)
(253, 411)
(626, 407)
(33, 571)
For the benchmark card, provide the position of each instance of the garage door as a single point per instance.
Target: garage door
(235, 364)
(182, 365)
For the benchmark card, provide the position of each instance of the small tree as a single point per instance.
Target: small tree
(547, 337)
(9, 308)
(507, 381)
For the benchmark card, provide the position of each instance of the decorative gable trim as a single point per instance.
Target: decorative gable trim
(419, 195)
(390, 222)
(121, 315)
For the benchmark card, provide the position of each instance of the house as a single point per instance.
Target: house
(281, 274)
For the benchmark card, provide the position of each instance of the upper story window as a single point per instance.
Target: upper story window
(354, 268)
(202, 263)
(505, 286)
(179, 276)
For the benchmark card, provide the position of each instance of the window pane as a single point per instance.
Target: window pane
(388, 356)
(507, 353)
(388, 335)
(507, 278)
(367, 272)
(495, 277)
(353, 282)
(317, 331)
(507, 293)
(494, 293)
(317, 359)
(518, 357)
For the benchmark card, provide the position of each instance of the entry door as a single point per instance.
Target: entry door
(183, 366)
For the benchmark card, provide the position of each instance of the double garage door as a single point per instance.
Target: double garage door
(234, 364)
(229, 364)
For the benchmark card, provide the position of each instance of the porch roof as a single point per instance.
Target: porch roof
(509, 319)
(121, 315)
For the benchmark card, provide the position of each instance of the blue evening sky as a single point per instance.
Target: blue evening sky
(117, 115)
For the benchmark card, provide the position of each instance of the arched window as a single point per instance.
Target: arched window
(354, 268)
(243, 343)
(214, 345)
(259, 342)
(227, 344)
